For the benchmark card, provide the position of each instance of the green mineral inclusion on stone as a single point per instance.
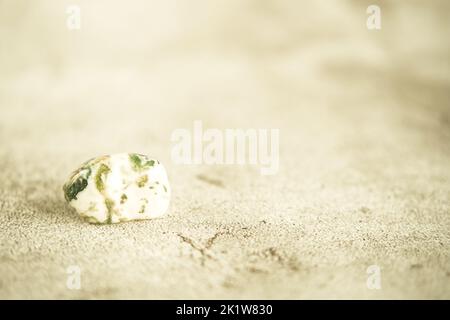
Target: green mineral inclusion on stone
(109, 205)
(100, 177)
(79, 179)
(140, 162)
(72, 189)
(141, 181)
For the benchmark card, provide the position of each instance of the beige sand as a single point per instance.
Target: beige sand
(364, 119)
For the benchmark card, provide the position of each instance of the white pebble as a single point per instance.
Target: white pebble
(119, 187)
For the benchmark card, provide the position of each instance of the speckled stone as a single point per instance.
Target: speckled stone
(119, 187)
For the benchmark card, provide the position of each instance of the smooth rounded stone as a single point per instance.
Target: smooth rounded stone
(119, 187)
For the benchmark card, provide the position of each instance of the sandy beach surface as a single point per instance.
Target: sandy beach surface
(364, 175)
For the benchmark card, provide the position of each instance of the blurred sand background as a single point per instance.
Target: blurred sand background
(364, 121)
